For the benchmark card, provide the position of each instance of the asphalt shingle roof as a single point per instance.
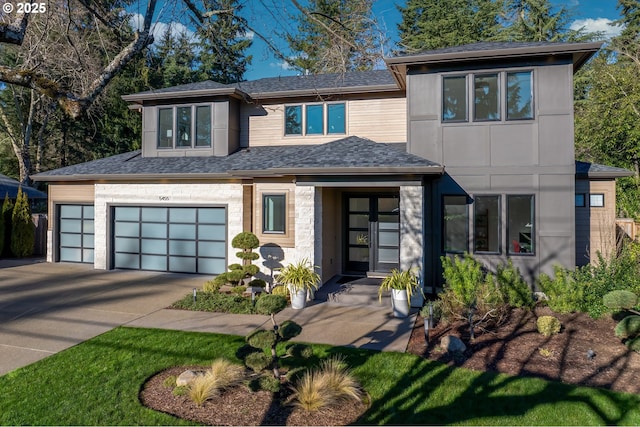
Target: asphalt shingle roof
(594, 170)
(349, 152)
(483, 46)
(10, 186)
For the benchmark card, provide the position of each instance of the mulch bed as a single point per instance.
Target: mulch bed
(516, 348)
(239, 406)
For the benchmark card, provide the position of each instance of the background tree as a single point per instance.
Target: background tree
(536, 20)
(434, 24)
(7, 212)
(222, 42)
(335, 36)
(22, 228)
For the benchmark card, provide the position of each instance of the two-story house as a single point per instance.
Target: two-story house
(462, 149)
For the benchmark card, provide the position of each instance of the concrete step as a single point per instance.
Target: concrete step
(357, 292)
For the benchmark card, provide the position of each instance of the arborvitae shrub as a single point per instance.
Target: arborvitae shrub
(23, 230)
(548, 325)
(7, 212)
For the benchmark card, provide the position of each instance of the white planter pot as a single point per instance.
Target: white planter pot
(400, 303)
(298, 299)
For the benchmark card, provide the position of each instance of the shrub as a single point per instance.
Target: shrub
(250, 270)
(234, 267)
(270, 304)
(22, 228)
(564, 292)
(514, 289)
(257, 361)
(212, 285)
(548, 325)
(281, 291)
(628, 327)
(170, 381)
(182, 390)
(7, 212)
(239, 290)
(216, 302)
(246, 241)
(269, 383)
(299, 350)
(258, 283)
(325, 387)
(620, 300)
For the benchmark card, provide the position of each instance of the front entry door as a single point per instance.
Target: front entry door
(372, 233)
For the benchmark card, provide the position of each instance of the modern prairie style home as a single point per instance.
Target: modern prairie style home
(465, 149)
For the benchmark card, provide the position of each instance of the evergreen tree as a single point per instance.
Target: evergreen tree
(176, 59)
(22, 228)
(7, 212)
(335, 36)
(222, 41)
(535, 20)
(434, 24)
(1, 233)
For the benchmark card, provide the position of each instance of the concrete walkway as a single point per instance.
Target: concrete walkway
(46, 308)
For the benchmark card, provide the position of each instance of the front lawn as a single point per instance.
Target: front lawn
(97, 383)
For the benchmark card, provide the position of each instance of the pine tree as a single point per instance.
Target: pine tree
(6, 213)
(23, 230)
(435, 24)
(222, 40)
(535, 20)
(335, 36)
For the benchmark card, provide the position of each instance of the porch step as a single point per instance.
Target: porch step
(358, 292)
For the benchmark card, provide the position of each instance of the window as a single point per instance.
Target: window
(520, 213)
(455, 220)
(486, 97)
(274, 213)
(487, 224)
(580, 200)
(519, 96)
(177, 127)
(336, 118)
(596, 200)
(318, 119)
(490, 92)
(454, 99)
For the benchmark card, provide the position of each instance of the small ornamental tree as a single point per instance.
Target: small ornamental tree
(22, 228)
(7, 212)
(267, 340)
(628, 329)
(247, 241)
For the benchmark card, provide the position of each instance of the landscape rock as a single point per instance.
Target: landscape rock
(452, 344)
(187, 377)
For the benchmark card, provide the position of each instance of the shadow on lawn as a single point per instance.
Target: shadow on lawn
(430, 392)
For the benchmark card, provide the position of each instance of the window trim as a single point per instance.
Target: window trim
(264, 196)
(193, 133)
(591, 204)
(533, 225)
(325, 119)
(286, 239)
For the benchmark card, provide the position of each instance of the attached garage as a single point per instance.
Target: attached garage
(75, 233)
(172, 239)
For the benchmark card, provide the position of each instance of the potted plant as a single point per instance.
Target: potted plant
(402, 285)
(300, 278)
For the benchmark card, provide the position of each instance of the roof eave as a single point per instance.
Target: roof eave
(349, 171)
(139, 98)
(129, 177)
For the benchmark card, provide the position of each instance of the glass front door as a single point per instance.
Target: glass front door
(372, 233)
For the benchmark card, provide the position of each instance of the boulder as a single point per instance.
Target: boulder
(452, 344)
(187, 377)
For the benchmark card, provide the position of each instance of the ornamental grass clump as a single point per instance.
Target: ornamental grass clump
(221, 375)
(327, 386)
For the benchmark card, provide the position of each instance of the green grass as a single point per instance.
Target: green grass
(97, 383)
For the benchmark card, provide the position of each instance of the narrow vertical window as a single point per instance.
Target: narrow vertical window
(274, 213)
(520, 212)
(183, 138)
(165, 128)
(455, 220)
(454, 99)
(336, 118)
(519, 95)
(203, 126)
(486, 99)
(293, 120)
(487, 224)
(315, 120)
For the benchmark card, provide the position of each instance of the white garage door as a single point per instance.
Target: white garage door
(180, 239)
(75, 233)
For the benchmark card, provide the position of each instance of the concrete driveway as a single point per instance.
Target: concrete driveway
(46, 308)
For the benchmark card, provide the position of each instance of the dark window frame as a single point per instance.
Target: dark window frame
(466, 98)
(532, 222)
(284, 224)
(444, 222)
(498, 85)
(498, 197)
(303, 108)
(531, 95)
(193, 129)
(591, 205)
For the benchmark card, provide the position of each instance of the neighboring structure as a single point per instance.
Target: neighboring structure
(9, 187)
(462, 149)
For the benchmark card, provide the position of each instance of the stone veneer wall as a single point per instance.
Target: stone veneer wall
(106, 195)
(411, 231)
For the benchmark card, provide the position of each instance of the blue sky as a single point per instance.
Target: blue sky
(270, 16)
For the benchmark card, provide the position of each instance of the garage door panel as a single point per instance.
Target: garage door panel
(75, 233)
(180, 239)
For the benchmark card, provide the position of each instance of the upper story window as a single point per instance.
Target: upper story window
(184, 126)
(315, 119)
(492, 96)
